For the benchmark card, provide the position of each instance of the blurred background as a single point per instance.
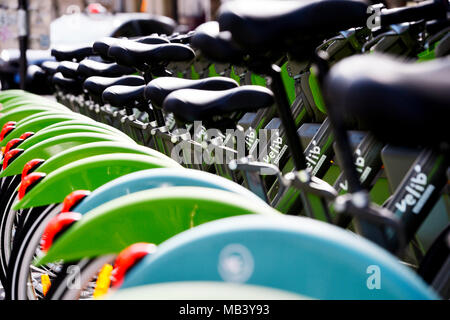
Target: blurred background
(74, 23)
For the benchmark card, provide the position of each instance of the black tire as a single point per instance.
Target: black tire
(25, 243)
(65, 288)
(8, 198)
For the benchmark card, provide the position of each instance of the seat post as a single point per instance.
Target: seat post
(284, 111)
(158, 115)
(344, 150)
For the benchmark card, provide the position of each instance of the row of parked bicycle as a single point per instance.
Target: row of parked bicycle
(285, 152)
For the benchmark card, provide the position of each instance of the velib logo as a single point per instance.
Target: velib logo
(360, 164)
(314, 159)
(276, 149)
(236, 263)
(416, 192)
(251, 140)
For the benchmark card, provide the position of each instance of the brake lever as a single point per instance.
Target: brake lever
(303, 180)
(253, 172)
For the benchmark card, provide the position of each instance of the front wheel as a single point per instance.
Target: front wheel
(77, 280)
(24, 279)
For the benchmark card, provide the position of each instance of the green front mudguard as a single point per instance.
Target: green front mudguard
(294, 254)
(41, 121)
(148, 216)
(12, 101)
(52, 146)
(48, 133)
(81, 122)
(30, 102)
(20, 113)
(87, 174)
(7, 95)
(15, 105)
(87, 150)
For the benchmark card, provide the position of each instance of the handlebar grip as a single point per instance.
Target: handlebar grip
(431, 9)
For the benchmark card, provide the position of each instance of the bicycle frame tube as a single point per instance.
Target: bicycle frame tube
(419, 190)
(368, 163)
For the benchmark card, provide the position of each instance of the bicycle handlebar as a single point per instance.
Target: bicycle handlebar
(428, 10)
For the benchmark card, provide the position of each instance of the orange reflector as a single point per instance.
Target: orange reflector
(45, 281)
(26, 135)
(10, 156)
(9, 123)
(103, 281)
(30, 166)
(5, 131)
(129, 257)
(13, 143)
(74, 199)
(29, 182)
(55, 226)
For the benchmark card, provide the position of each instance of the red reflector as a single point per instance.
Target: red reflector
(5, 131)
(10, 156)
(55, 226)
(73, 199)
(30, 167)
(13, 143)
(127, 258)
(29, 182)
(9, 123)
(26, 135)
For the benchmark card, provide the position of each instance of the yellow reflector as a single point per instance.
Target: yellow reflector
(3, 150)
(45, 281)
(103, 281)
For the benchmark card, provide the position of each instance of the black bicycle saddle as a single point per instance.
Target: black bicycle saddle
(139, 55)
(215, 45)
(192, 104)
(102, 46)
(184, 38)
(123, 96)
(157, 90)
(77, 54)
(400, 102)
(88, 68)
(96, 85)
(283, 25)
(50, 67)
(66, 85)
(68, 69)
